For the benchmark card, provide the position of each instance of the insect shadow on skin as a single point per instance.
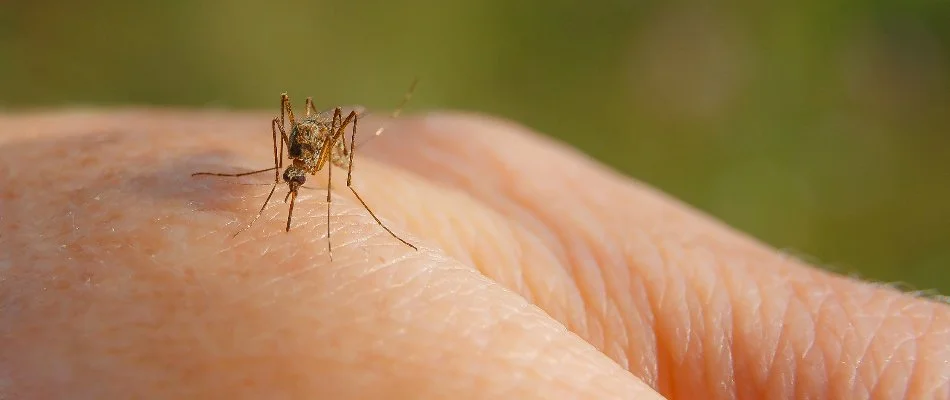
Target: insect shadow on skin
(316, 141)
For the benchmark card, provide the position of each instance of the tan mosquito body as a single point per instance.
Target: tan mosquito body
(313, 142)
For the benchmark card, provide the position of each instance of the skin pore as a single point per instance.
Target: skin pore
(540, 274)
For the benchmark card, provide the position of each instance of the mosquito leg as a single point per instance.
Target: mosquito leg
(349, 169)
(326, 151)
(286, 107)
(349, 184)
(278, 157)
(283, 107)
(276, 169)
(329, 181)
(337, 116)
(233, 175)
(310, 107)
(381, 224)
(284, 140)
(339, 111)
(259, 212)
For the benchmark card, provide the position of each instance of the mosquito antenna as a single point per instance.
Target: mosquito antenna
(398, 110)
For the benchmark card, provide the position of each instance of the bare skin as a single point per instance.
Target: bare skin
(119, 277)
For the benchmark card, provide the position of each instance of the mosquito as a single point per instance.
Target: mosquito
(316, 141)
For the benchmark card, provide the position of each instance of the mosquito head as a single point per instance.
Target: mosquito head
(295, 177)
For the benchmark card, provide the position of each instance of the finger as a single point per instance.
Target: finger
(119, 280)
(705, 309)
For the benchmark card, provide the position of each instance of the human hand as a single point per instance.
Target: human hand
(540, 274)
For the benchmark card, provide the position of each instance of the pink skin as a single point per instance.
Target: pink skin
(540, 274)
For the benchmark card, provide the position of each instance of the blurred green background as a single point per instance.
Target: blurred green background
(821, 127)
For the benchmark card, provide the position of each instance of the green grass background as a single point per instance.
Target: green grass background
(821, 127)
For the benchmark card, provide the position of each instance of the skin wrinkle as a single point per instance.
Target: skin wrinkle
(819, 298)
(729, 280)
(842, 370)
(668, 303)
(593, 327)
(663, 378)
(617, 281)
(718, 358)
(905, 383)
(782, 373)
(855, 338)
(537, 287)
(779, 343)
(515, 276)
(695, 344)
(860, 333)
(918, 375)
(580, 262)
(767, 342)
(642, 345)
(874, 358)
(610, 289)
(871, 354)
(941, 381)
(901, 384)
(697, 348)
(914, 378)
(887, 383)
(807, 372)
(704, 280)
(813, 364)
